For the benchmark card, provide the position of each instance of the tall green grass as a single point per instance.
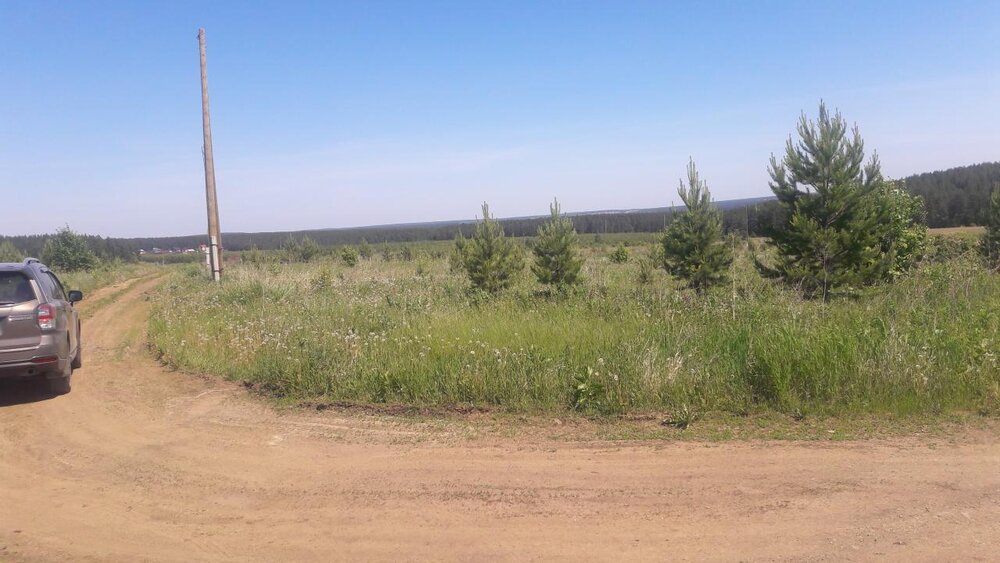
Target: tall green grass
(384, 333)
(105, 274)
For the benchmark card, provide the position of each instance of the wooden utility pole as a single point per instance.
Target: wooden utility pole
(214, 234)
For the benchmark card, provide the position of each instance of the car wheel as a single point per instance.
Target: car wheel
(77, 362)
(59, 386)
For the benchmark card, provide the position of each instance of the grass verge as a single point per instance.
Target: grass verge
(409, 333)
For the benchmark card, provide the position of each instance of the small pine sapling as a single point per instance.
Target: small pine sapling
(557, 258)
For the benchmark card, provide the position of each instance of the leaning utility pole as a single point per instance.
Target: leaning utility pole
(214, 234)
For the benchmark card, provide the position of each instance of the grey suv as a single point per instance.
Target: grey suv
(39, 327)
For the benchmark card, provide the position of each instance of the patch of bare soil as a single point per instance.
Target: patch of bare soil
(141, 463)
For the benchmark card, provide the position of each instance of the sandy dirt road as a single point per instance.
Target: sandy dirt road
(142, 464)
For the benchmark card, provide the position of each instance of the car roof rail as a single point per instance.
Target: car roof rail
(30, 260)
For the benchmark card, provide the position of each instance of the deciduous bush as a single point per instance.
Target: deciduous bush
(901, 228)
(68, 251)
(619, 255)
(943, 248)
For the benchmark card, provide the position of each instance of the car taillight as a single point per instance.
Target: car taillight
(46, 316)
(45, 360)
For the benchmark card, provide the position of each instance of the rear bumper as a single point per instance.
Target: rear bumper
(24, 363)
(51, 370)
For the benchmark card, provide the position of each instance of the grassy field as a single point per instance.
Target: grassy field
(962, 232)
(101, 276)
(410, 332)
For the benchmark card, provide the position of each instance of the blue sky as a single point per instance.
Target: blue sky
(336, 114)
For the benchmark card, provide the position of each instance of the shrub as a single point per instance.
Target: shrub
(901, 228)
(619, 255)
(693, 249)
(68, 251)
(300, 250)
(557, 259)
(943, 248)
(349, 255)
(491, 259)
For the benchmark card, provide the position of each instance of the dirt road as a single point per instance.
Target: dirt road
(139, 463)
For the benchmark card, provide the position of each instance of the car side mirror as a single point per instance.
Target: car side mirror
(75, 295)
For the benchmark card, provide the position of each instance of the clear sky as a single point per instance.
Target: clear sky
(336, 114)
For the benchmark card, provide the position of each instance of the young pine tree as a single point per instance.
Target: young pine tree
(989, 245)
(693, 249)
(557, 258)
(365, 250)
(835, 232)
(491, 259)
(300, 250)
(349, 255)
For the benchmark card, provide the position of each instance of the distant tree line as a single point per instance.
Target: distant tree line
(102, 248)
(957, 197)
(954, 197)
(757, 216)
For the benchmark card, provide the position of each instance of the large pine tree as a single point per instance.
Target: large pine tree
(693, 249)
(990, 243)
(557, 258)
(839, 230)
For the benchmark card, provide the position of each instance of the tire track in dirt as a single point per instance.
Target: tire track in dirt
(141, 463)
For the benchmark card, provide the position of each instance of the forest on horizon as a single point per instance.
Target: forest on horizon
(955, 197)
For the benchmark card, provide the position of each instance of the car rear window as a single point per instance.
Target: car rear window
(15, 288)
